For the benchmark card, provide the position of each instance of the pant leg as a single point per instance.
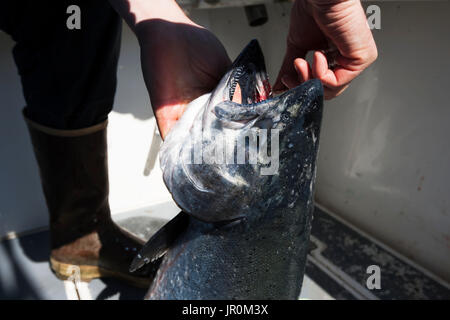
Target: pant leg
(68, 76)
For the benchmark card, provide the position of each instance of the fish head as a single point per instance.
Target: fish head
(240, 150)
(246, 81)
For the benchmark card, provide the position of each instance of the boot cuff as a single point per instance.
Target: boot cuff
(64, 133)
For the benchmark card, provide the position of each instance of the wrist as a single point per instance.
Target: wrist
(136, 12)
(168, 10)
(328, 3)
(327, 6)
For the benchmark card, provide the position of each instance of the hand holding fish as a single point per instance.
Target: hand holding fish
(180, 59)
(244, 229)
(183, 64)
(317, 25)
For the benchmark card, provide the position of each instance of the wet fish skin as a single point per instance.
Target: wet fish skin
(161, 241)
(262, 254)
(208, 191)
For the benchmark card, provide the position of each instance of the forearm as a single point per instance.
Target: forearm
(134, 12)
(180, 59)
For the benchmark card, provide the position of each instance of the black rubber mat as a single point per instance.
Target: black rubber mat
(337, 264)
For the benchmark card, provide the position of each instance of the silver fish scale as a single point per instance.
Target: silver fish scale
(261, 255)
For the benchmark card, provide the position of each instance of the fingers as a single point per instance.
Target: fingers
(303, 69)
(285, 72)
(288, 77)
(334, 81)
(302, 73)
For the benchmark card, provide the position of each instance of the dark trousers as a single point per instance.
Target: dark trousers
(68, 76)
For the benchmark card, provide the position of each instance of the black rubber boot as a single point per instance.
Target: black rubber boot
(74, 174)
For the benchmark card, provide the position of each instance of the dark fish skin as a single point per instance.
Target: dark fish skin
(161, 241)
(260, 257)
(263, 254)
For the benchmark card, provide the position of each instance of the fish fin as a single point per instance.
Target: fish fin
(160, 242)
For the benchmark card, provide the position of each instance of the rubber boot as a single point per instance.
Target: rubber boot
(74, 174)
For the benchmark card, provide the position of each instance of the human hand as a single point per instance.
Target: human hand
(180, 62)
(317, 24)
(180, 59)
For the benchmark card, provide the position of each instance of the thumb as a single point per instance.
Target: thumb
(287, 76)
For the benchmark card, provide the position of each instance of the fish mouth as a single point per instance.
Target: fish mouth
(244, 96)
(248, 81)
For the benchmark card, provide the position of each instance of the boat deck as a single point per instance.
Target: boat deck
(336, 267)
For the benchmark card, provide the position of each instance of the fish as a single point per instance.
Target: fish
(241, 164)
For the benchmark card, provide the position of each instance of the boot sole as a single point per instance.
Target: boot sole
(64, 271)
